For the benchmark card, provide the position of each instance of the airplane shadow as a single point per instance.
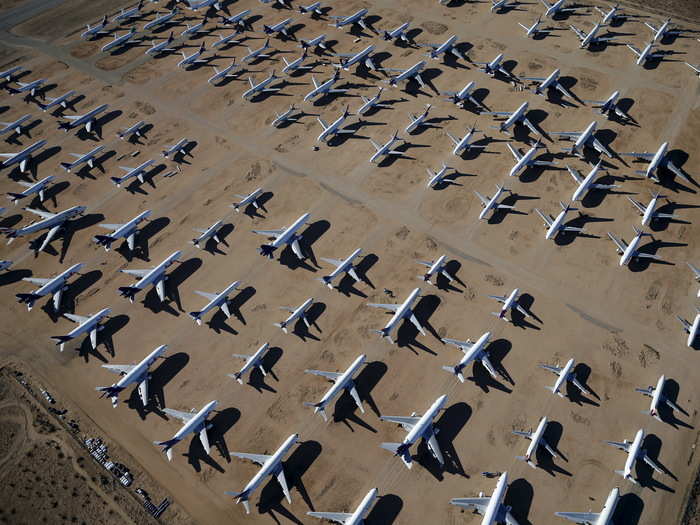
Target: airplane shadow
(519, 498)
(141, 250)
(447, 427)
(645, 473)
(312, 314)
(497, 350)
(582, 372)
(256, 379)
(221, 423)
(666, 413)
(545, 461)
(407, 332)
(366, 380)
(385, 510)
(629, 509)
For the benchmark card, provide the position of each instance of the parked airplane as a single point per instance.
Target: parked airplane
(492, 509)
(270, 466)
(283, 3)
(5, 264)
(196, 29)
(342, 267)
(369, 103)
(694, 68)
(509, 302)
(634, 452)
(550, 82)
(663, 30)
(296, 64)
(15, 126)
(660, 159)
(278, 29)
(129, 14)
(135, 129)
(556, 8)
(209, 233)
(33, 188)
(536, 440)
(251, 361)
(54, 222)
(609, 107)
(582, 139)
(319, 41)
(385, 150)
(494, 67)
(646, 54)
(162, 19)
(586, 184)
(87, 325)
(356, 517)
(324, 88)
(437, 267)
(8, 74)
(53, 286)
(656, 393)
(534, 30)
(595, 518)
(565, 374)
(527, 159)
(128, 231)
(196, 5)
(119, 41)
(239, 20)
(458, 97)
(448, 46)
(260, 87)
(27, 87)
(96, 30)
(515, 117)
(161, 47)
(417, 121)
(648, 212)
(347, 60)
(610, 16)
(357, 18)
(82, 158)
(285, 117)
(294, 314)
(406, 75)
(245, 200)
(284, 236)
(193, 59)
(138, 172)
(591, 38)
(341, 382)
(193, 423)
(490, 203)
(436, 178)
(417, 427)
(501, 6)
(58, 101)
(401, 311)
(175, 149)
(87, 119)
(313, 9)
(216, 300)
(398, 33)
(691, 329)
(224, 73)
(131, 374)
(463, 144)
(473, 351)
(228, 40)
(696, 273)
(629, 251)
(555, 225)
(155, 276)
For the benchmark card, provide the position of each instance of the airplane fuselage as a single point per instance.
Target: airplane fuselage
(270, 466)
(89, 323)
(492, 202)
(425, 421)
(517, 115)
(631, 250)
(140, 371)
(524, 162)
(21, 157)
(344, 381)
(59, 218)
(403, 310)
(197, 421)
(563, 377)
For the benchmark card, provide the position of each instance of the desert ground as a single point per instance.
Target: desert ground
(619, 323)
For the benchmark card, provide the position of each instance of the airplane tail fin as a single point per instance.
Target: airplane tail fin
(267, 250)
(241, 497)
(104, 240)
(167, 447)
(455, 371)
(326, 279)
(61, 340)
(318, 408)
(387, 36)
(28, 298)
(15, 197)
(385, 334)
(282, 325)
(196, 317)
(500, 315)
(117, 181)
(110, 391)
(128, 292)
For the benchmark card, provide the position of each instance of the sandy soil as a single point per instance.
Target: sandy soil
(619, 323)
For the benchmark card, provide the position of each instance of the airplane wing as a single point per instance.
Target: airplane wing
(499, 298)
(41, 213)
(283, 482)
(579, 517)
(160, 289)
(296, 249)
(504, 515)
(462, 345)
(643, 155)
(676, 170)
(338, 517)
(143, 391)
(136, 273)
(182, 416)
(515, 152)
(580, 34)
(530, 126)
(407, 422)
(647, 255)
(210, 296)
(390, 307)
(255, 458)
(333, 376)
(424, 263)
(621, 245)
(552, 368)
(119, 369)
(110, 226)
(652, 464)
(479, 504)
(335, 262)
(646, 391)
(566, 134)
(76, 318)
(322, 122)
(454, 140)
(635, 50)
(270, 233)
(36, 280)
(203, 438)
(621, 445)
(572, 229)
(483, 199)
(575, 174)
(548, 221)
(637, 204)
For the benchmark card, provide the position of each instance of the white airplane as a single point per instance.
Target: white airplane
(490, 203)
(694, 68)
(565, 374)
(691, 329)
(155, 276)
(696, 273)
(398, 33)
(629, 251)
(586, 184)
(53, 222)
(324, 88)
(90, 325)
(27, 87)
(342, 267)
(134, 129)
(296, 64)
(347, 60)
(463, 144)
(209, 233)
(127, 231)
(195, 29)
(493, 67)
(193, 59)
(458, 97)
(646, 54)
(582, 139)
(527, 159)
(175, 149)
(609, 106)
(555, 225)
(448, 46)
(8, 74)
(96, 30)
(509, 302)
(313, 9)
(129, 14)
(660, 159)
(341, 381)
(5, 264)
(405, 75)
(15, 126)
(223, 73)
(82, 158)
(58, 101)
(511, 118)
(315, 42)
(417, 427)
(283, 3)
(260, 87)
(193, 423)
(534, 29)
(369, 103)
(160, 20)
(437, 267)
(502, 5)
(284, 236)
(245, 200)
(38, 187)
(161, 47)
(138, 374)
(228, 40)
(279, 28)
(591, 38)
(270, 466)
(251, 361)
(195, 5)
(357, 18)
(604, 517)
(492, 509)
(385, 150)
(53, 286)
(610, 16)
(634, 452)
(544, 84)
(299, 313)
(119, 41)
(536, 440)
(87, 119)
(357, 517)
(138, 172)
(284, 117)
(473, 351)
(656, 393)
(438, 177)
(556, 8)
(238, 20)
(663, 30)
(401, 311)
(417, 121)
(647, 212)
(216, 300)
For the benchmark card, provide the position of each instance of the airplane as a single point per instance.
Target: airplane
(502, 5)
(435, 178)
(401, 311)
(518, 116)
(646, 54)
(555, 225)
(332, 129)
(473, 351)
(448, 46)
(283, 3)
(206, 234)
(341, 381)
(9, 73)
(363, 57)
(187, 61)
(196, 29)
(270, 466)
(656, 393)
(299, 313)
(254, 54)
(344, 266)
(283, 236)
(398, 33)
(494, 67)
(691, 330)
(58, 101)
(135, 129)
(417, 121)
(610, 16)
(458, 97)
(82, 158)
(492, 508)
(550, 82)
(509, 302)
(193, 423)
(313, 9)
(634, 452)
(586, 184)
(88, 119)
(155, 276)
(227, 40)
(629, 252)
(251, 361)
(5, 264)
(660, 159)
(324, 88)
(356, 517)
(284, 117)
(526, 160)
(405, 75)
(38, 187)
(260, 87)
(436, 267)
(161, 47)
(90, 325)
(129, 14)
(224, 73)
(195, 5)
(557, 7)
(163, 19)
(696, 273)
(417, 427)
(582, 139)
(357, 18)
(138, 374)
(53, 286)
(53, 222)
(30, 87)
(119, 40)
(536, 440)
(534, 30)
(647, 212)
(609, 107)
(604, 517)
(175, 149)
(15, 126)
(463, 144)
(565, 374)
(318, 41)
(296, 64)
(490, 203)
(127, 231)
(238, 20)
(694, 68)
(591, 38)
(245, 200)
(219, 300)
(663, 30)
(385, 149)
(96, 30)
(369, 103)
(279, 28)
(137, 172)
